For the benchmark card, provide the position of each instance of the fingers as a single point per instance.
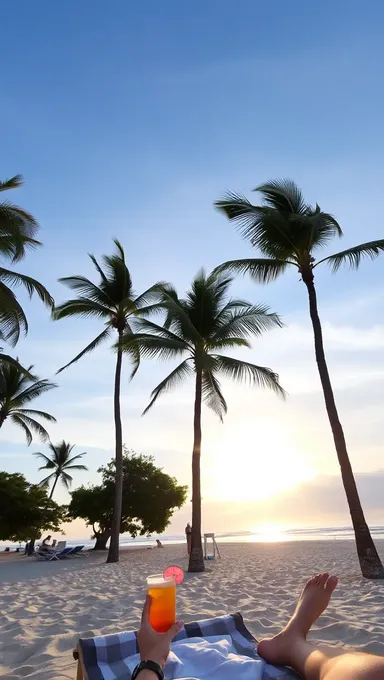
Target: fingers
(176, 628)
(145, 613)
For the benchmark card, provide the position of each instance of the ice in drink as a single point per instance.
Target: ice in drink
(162, 613)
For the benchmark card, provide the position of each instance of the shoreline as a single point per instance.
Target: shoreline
(46, 606)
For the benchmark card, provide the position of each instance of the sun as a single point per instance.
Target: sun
(268, 533)
(253, 464)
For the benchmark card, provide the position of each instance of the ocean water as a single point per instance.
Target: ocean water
(267, 535)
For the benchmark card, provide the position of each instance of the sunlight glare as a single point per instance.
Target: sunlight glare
(253, 464)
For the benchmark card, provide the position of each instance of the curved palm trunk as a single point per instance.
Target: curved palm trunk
(53, 486)
(196, 560)
(113, 553)
(101, 541)
(370, 563)
(2, 418)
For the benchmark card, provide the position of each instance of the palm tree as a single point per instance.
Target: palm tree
(60, 462)
(113, 300)
(17, 231)
(199, 327)
(17, 389)
(288, 231)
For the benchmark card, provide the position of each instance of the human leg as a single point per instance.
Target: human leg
(290, 647)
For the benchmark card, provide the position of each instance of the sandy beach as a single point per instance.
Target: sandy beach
(45, 607)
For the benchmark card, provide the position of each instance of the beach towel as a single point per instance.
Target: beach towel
(212, 649)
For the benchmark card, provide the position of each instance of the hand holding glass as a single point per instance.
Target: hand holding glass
(162, 614)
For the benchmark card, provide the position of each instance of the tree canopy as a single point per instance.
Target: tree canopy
(25, 509)
(150, 497)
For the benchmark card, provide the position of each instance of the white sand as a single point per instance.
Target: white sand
(44, 607)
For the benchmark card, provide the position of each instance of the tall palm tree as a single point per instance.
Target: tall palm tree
(198, 327)
(17, 390)
(60, 461)
(17, 231)
(114, 302)
(289, 231)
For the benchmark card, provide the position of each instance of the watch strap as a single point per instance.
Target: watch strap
(150, 666)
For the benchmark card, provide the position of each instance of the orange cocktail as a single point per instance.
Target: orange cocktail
(162, 613)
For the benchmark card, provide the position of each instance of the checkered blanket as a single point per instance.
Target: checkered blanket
(108, 657)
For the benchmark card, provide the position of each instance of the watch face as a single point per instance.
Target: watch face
(150, 665)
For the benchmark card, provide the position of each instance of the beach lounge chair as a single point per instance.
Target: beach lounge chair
(41, 555)
(60, 546)
(67, 552)
(78, 552)
(115, 656)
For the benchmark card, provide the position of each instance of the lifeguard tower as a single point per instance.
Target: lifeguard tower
(210, 549)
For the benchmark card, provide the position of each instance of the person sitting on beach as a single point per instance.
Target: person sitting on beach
(289, 648)
(46, 546)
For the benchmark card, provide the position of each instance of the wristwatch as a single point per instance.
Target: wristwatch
(150, 666)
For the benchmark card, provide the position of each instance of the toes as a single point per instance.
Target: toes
(323, 578)
(331, 584)
(311, 582)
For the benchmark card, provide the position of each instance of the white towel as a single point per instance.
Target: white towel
(212, 658)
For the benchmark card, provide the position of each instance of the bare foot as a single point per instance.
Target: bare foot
(313, 601)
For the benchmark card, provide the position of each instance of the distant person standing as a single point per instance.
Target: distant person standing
(188, 535)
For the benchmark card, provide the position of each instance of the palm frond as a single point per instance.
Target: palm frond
(32, 424)
(178, 319)
(76, 467)
(30, 284)
(32, 413)
(12, 317)
(149, 327)
(66, 480)
(88, 290)
(283, 194)
(81, 307)
(212, 394)
(71, 460)
(182, 371)
(49, 464)
(44, 483)
(262, 270)
(353, 256)
(12, 183)
(227, 343)
(242, 371)
(98, 268)
(266, 228)
(32, 392)
(6, 359)
(151, 346)
(17, 420)
(150, 297)
(89, 348)
(248, 321)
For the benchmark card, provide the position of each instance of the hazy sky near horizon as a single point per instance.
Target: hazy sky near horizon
(128, 122)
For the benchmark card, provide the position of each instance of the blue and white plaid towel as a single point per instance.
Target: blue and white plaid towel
(110, 657)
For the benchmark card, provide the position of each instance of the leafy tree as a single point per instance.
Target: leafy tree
(149, 499)
(17, 390)
(289, 232)
(60, 462)
(114, 302)
(18, 229)
(199, 327)
(25, 509)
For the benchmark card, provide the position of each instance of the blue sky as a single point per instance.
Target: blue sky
(130, 121)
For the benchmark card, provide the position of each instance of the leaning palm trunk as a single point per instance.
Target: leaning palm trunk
(53, 487)
(370, 563)
(113, 554)
(196, 561)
